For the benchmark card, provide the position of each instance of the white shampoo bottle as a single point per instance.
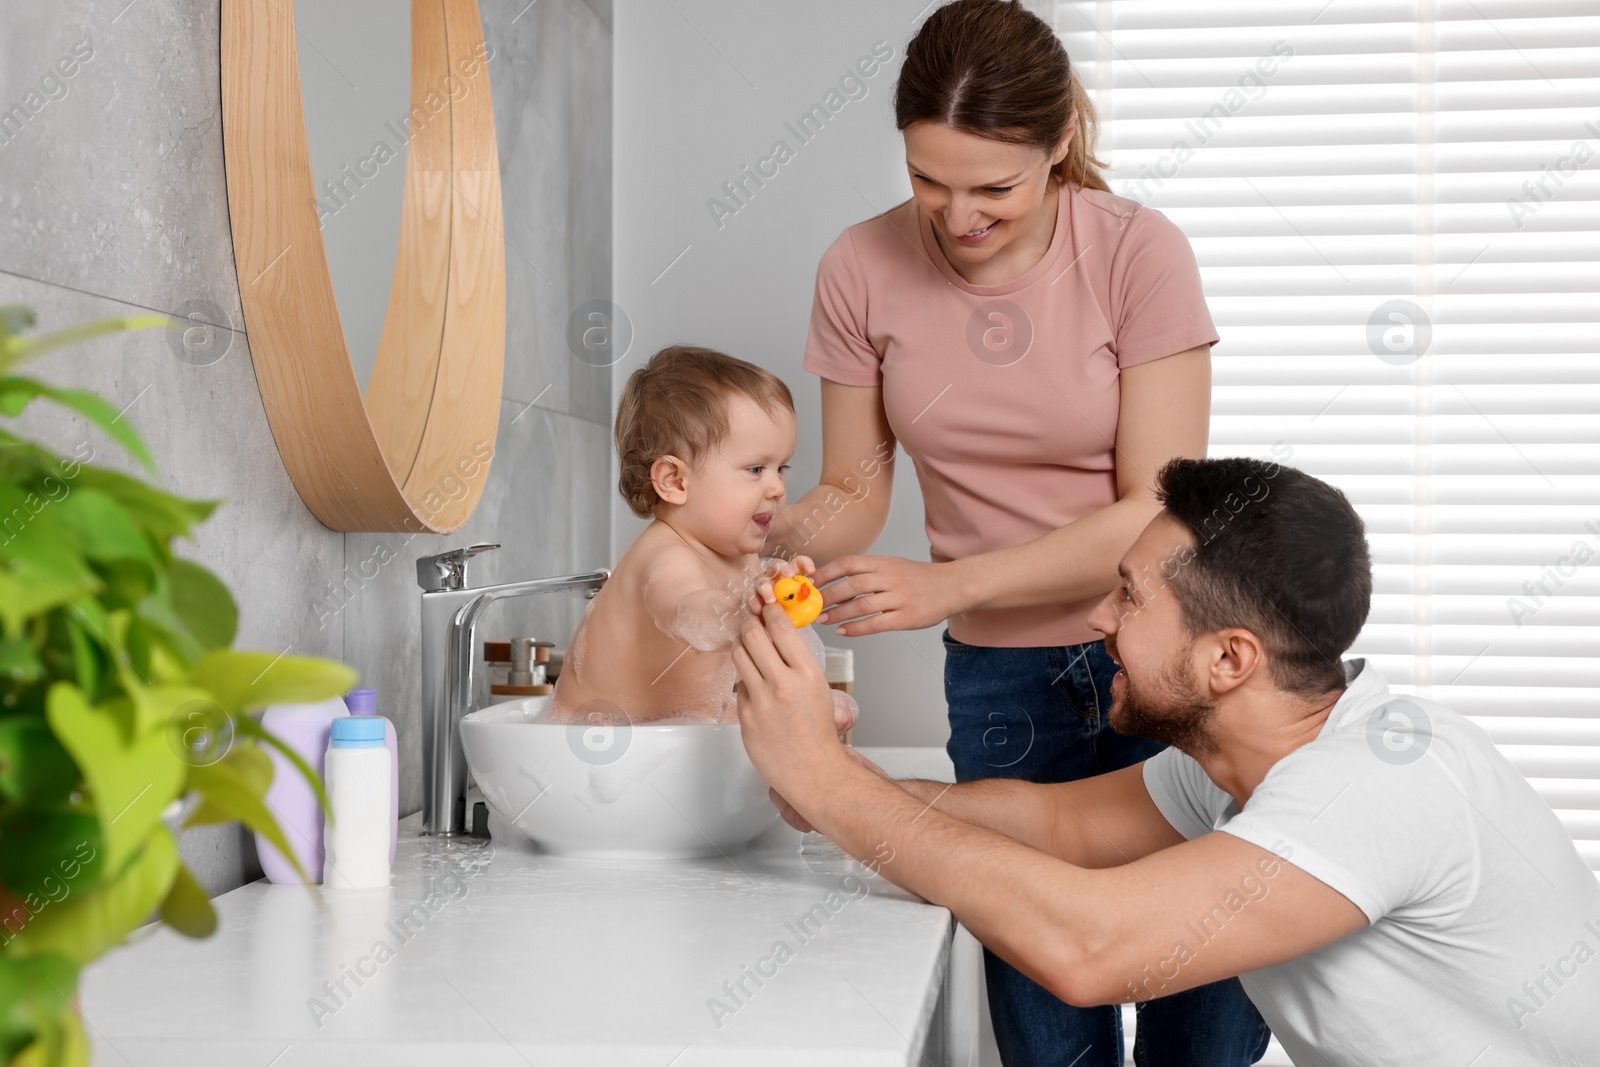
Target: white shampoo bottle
(356, 845)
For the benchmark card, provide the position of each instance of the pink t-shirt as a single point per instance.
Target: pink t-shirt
(1006, 396)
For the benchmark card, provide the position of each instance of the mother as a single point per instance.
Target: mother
(1039, 347)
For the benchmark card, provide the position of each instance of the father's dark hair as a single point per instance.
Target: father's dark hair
(1277, 552)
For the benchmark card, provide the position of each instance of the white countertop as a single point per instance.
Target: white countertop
(512, 957)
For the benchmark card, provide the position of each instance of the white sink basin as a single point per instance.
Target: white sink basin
(672, 791)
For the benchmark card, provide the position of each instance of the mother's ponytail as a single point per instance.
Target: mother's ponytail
(995, 69)
(1081, 167)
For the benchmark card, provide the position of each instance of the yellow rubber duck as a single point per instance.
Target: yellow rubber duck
(798, 598)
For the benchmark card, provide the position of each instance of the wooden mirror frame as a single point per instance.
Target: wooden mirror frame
(415, 454)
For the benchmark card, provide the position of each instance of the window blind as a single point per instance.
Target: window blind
(1395, 205)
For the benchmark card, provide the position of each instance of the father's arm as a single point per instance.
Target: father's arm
(1097, 822)
(1176, 918)
(1171, 919)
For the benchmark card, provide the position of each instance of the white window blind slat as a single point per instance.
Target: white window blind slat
(1328, 159)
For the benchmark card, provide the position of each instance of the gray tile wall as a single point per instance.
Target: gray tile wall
(112, 199)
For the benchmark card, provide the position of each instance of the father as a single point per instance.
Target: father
(1387, 886)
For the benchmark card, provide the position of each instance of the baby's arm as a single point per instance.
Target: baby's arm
(682, 605)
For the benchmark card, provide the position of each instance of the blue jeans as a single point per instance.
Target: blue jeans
(1041, 715)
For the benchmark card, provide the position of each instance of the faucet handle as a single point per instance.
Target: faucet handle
(447, 570)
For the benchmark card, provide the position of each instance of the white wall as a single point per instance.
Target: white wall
(703, 88)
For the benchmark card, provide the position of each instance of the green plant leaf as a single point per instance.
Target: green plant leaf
(159, 707)
(204, 604)
(243, 680)
(85, 660)
(26, 462)
(50, 851)
(64, 1043)
(187, 909)
(34, 767)
(40, 566)
(85, 925)
(32, 529)
(102, 527)
(126, 583)
(230, 794)
(14, 318)
(19, 660)
(16, 392)
(159, 513)
(251, 726)
(12, 401)
(33, 991)
(88, 641)
(163, 624)
(132, 775)
(255, 765)
(26, 594)
(14, 350)
(190, 610)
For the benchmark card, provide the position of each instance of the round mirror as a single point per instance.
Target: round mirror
(357, 114)
(364, 193)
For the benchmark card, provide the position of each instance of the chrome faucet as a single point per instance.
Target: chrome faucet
(450, 613)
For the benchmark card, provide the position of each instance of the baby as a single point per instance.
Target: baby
(703, 440)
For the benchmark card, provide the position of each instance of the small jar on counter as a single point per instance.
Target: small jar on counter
(523, 672)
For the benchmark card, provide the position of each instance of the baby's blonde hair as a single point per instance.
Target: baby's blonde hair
(677, 404)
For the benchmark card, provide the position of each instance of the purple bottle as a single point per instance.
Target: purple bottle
(290, 798)
(365, 702)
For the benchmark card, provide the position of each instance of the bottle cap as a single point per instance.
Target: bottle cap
(357, 731)
(362, 701)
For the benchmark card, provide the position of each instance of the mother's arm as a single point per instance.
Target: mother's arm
(849, 507)
(1165, 412)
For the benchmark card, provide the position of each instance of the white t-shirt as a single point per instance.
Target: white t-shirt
(1483, 943)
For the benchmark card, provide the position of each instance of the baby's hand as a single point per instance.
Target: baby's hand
(773, 568)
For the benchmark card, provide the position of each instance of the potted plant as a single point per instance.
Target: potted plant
(124, 712)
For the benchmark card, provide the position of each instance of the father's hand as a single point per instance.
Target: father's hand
(791, 814)
(877, 593)
(785, 705)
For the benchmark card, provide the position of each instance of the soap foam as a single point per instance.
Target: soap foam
(683, 719)
(814, 643)
(711, 702)
(574, 657)
(701, 631)
(590, 712)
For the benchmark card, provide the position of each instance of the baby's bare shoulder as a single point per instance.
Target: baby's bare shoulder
(663, 561)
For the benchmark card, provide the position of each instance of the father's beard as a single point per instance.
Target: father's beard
(1173, 711)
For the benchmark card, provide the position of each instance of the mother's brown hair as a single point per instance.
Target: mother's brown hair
(994, 69)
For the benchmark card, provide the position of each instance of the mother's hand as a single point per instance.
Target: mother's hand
(878, 593)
